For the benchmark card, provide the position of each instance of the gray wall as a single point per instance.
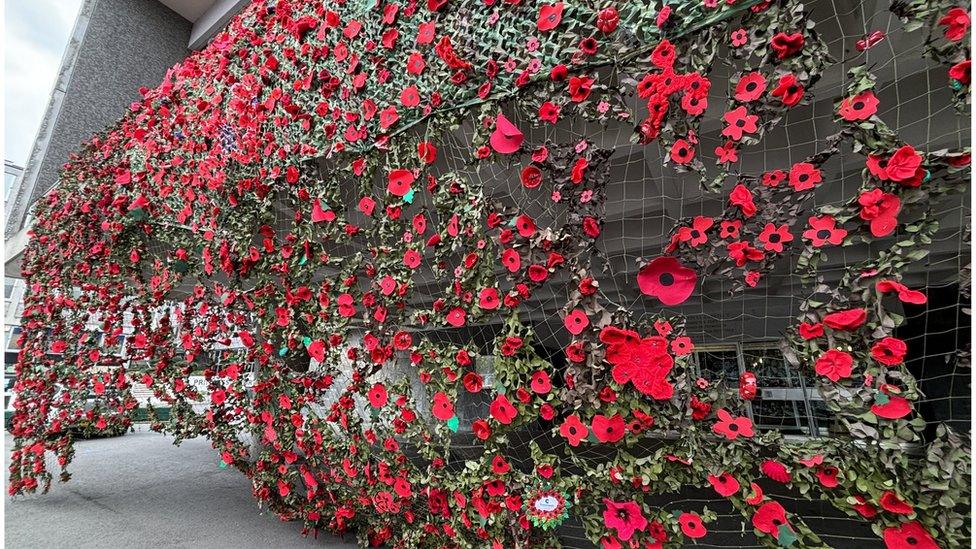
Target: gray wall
(126, 44)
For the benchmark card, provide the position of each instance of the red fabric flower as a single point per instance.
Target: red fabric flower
(608, 429)
(788, 90)
(810, 331)
(742, 197)
(903, 164)
(732, 427)
(773, 178)
(666, 279)
(769, 517)
(624, 517)
(378, 396)
(643, 362)
(576, 321)
(540, 383)
(881, 210)
(442, 407)
(739, 122)
(786, 45)
(725, 484)
(573, 430)
(691, 525)
(910, 535)
(682, 152)
(502, 410)
(896, 407)
(956, 23)
(824, 230)
(696, 234)
(890, 502)
(828, 476)
(488, 299)
(889, 351)
(860, 107)
(507, 138)
(774, 238)
(743, 252)
(750, 87)
(847, 320)
(549, 16)
(804, 176)
(834, 364)
(398, 182)
(776, 471)
(607, 20)
(663, 55)
(962, 71)
(456, 317)
(905, 294)
(580, 88)
(531, 177)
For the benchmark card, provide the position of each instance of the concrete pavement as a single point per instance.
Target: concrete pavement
(139, 491)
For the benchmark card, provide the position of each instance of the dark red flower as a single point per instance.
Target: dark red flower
(786, 45)
(860, 107)
(666, 279)
(910, 535)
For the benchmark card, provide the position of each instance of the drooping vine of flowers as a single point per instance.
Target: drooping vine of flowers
(286, 216)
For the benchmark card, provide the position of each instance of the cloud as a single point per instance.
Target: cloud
(37, 32)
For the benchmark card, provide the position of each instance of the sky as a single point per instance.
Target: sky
(37, 32)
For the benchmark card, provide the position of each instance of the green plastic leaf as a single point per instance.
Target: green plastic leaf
(453, 424)
(786, 536)
(408, 198)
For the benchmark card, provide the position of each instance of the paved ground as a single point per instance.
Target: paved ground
(139, 491)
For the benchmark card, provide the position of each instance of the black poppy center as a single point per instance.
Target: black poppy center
(751, 86)
(622, 514)
(740, 123)
(666, 279)
(682, 151)
(695, 233)
(733, 427)
(774, 238)
(792, 89)
(803, 177)
(911, 541)
(823, 234)
(858, 105)
(777, 522)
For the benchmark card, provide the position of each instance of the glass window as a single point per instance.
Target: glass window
(14, 335)
(8, 288)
